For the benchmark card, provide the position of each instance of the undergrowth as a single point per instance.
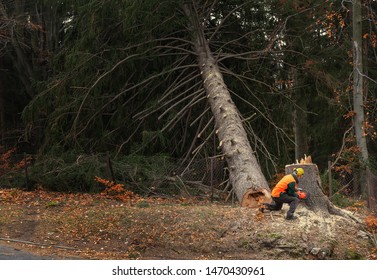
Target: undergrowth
(75, 172)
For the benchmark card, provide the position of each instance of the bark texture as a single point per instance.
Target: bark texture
(246, 177)
(300, 118)
(311, 182)
(358, 81)
(358, 92)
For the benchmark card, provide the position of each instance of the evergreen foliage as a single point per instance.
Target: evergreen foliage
(121, 76)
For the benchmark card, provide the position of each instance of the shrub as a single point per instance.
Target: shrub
(68, 172)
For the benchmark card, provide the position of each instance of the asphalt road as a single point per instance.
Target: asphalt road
(9, 253)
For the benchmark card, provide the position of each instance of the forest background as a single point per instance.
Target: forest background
(111, 89)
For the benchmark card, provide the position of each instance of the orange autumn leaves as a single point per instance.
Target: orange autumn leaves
(116, 191)
(8, 165)
(5, 160)
(371, 223)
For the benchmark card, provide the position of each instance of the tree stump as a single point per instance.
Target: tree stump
(319, 202)
(253, 198)
(311, 182)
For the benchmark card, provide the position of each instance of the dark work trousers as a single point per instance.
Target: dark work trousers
(284, 198)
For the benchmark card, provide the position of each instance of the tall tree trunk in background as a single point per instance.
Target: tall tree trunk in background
(299, 117)
(299, 98)
(2, 115)
(358, 91)
(246, 177)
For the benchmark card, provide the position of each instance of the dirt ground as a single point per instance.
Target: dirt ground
(84, 226)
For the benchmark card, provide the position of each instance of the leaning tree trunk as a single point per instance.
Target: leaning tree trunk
(311, 182)
(246, 177)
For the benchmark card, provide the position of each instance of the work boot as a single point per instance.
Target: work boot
(264, 206)
(290, 217)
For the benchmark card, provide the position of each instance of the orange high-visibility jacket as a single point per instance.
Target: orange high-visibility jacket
(288, 181)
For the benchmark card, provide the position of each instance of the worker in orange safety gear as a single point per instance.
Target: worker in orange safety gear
(286, 191)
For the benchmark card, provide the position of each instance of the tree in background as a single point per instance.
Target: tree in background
(122, 76)
(29, 32)
(152, 58)
(358, 87)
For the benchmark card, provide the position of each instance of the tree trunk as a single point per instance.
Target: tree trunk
(246, 177)
(372, 190)
(311, 182)
(2, 114)
(300, 123)
(358, 91)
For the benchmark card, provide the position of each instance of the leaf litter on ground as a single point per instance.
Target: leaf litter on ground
(127, 226)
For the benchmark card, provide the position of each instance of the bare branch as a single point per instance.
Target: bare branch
(225, 18)
(128, 139)
(197, 150)
(200, 116)
(206, 126)
(182, 100)
(146, 81)
(179, 115)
